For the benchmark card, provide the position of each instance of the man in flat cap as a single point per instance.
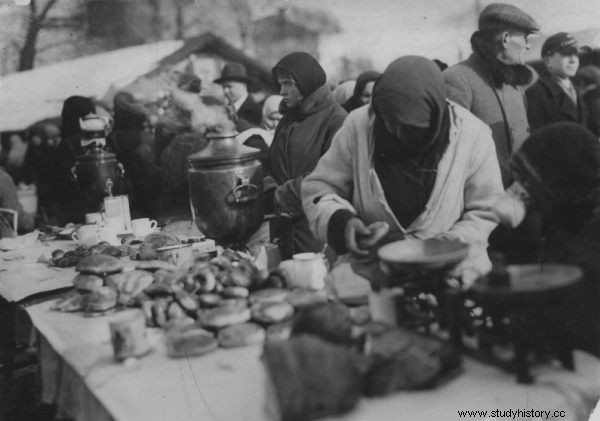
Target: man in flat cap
(553, 97)
(235, 81)
(491, 83)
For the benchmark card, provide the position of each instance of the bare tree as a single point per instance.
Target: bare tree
(34, 26)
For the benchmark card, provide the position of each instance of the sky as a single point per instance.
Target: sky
(385, 29)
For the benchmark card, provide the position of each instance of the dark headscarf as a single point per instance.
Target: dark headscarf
(559, 166)
(355, 101)
(410, 91)
(305, 69)
(74, 108)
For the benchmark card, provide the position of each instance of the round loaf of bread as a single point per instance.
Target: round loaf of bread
(224, 316)
(241, 335)
(99, 264)
(268, 295)
(271, 312)
(85, 283)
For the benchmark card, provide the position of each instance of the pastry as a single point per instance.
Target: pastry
(209, 300)
(189, 341)
(241, 335)
(235, 292)
(304, 297)
(331, 321)
(271, 312)
(155, 265)
(85, 283)
(269, 295)
(224, 316)
(99, 264)
(133, 284)
(71, 303)
(279, 331)
(102, 299)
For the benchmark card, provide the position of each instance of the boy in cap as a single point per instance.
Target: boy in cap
(235, 81)
(553, 97)
(491, 83)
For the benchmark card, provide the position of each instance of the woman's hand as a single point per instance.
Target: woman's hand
(360, 238)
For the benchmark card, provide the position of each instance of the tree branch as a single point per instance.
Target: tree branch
(46, 8)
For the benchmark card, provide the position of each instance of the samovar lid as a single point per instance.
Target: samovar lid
(223, 148)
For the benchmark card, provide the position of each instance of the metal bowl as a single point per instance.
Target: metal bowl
(430, 254)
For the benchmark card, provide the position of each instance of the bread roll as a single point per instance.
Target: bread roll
(224, 316)
(241, 335)
(269, 295)
(85, 283)
(271, 312)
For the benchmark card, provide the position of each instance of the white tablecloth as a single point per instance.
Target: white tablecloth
(21, 276)
(80, 375)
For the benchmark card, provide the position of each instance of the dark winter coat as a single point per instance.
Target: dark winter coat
(250, 111)
(548, 103)
(301, 138)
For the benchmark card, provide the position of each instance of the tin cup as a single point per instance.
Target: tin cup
(128, 334)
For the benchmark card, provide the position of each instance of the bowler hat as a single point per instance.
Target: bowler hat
(235, 72)
(560, 43)
(500, 14)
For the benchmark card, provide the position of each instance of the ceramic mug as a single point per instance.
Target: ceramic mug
(86, 234)
(178, 255)
(128, 334)
(94, 218)
(109, 234)
(143, 226)
(309, 270)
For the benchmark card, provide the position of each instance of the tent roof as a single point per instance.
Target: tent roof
(33, 95)
(212, 44)
(30, 96)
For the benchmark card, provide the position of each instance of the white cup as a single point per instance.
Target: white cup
(383, 305)
(93, 218)
(143, 226)
(309, 270)
(86, 235)
(109, 234)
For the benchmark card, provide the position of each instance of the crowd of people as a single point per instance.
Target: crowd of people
(417, 151)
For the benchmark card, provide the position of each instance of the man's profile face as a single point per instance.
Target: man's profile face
(516, 44)
(234, 90)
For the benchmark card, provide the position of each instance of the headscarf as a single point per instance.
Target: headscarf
(343, 91)
(305, 69)
(559, 167)
(361, 82)
(411, 92)
(74, 108)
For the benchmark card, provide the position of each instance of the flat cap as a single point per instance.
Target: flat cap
(562, 42)
(500, 14)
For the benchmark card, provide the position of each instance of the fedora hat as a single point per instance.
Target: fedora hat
(233, 71)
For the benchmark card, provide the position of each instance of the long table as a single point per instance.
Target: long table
(80, 375)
